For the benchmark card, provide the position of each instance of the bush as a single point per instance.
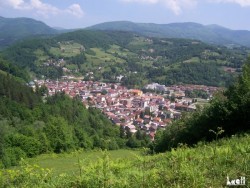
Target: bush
(228, 109)
(12, 156)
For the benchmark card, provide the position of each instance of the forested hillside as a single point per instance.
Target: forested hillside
(31, 124)
(227, 114)
(138, 60)
(9, 68)
(213, 34)
(14, 29)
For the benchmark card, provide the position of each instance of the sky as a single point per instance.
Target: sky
(69, 14)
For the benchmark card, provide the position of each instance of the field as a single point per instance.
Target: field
(41, 55)
(205, 165)
(202, 102)
(140, 42)
(114, 49)
(67, 49)
(193, 60)
(101, 57)
(69, 163)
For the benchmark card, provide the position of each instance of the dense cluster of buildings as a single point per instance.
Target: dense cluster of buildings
(130, 108)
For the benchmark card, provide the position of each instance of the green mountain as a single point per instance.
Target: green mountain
(13, 29)
(211, 33)
(138, 59)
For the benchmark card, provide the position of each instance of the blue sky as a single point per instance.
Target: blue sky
(232, 14)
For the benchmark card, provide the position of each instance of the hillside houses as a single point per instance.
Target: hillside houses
(132, 109)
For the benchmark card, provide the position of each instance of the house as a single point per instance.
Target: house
(147, 119)
(153, 128)
(157, 119)
(146, 127)
(139, 121)
(162, 125)
(132, 128)
(177, 115)
(116, 121)
(136, 92)
(152, 136)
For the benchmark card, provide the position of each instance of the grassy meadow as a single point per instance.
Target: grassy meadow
(205, 165)
(69, 162)
(67, 49)
(101, 56)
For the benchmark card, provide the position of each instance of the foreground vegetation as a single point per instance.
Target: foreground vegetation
(229, 110)
(205, 165)
(31, 125)
(69, 162)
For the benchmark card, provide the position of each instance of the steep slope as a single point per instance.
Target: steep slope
(30, 125)
(13, 29)
(228, 114)
(241, 37)
(14, 70)
(206, 165)
(211, 33)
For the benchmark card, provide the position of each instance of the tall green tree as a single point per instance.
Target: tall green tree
(229, 110)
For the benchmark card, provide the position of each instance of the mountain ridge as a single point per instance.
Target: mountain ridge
(213, 33)
(14, 29)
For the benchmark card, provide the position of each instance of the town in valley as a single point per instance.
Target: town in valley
(149, 110)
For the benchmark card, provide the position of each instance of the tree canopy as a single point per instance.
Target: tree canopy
(228, 111)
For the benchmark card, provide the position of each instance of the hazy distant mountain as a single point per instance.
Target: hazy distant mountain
(13, 29)
(210, 33)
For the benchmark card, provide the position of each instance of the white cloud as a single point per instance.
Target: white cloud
(243, 3)
(41, 8)
(75, 10)
(142, 1)
(175, 5)
(16, 4)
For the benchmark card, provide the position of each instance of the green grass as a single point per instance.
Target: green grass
(222, 62)
(140, 41)
(202, 102)
(71, 66)
(41, 55)
(68, 163)
(3, 72)
(193, 60)
(101, 58)
(115, 49)
(205, 165)
(67, 49)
